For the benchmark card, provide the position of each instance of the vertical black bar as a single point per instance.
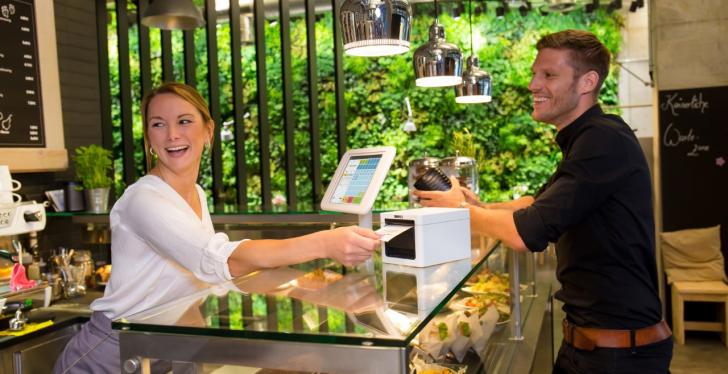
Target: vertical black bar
(339, 80)
(213, 80)
(348, 324)
(167, 67)
(238, 110)
(145, 60)
(247, 311)
(288, 119)
(223, 311)
(189, 45)
(313, 103)
(297, 311)
(272, 311)
(264, 126)
(107, 128)
(323, 315)
(127, 137)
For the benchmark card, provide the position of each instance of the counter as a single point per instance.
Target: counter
(293, 318)
(35, 352)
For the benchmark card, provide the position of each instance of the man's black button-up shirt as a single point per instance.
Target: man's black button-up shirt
(597, 207)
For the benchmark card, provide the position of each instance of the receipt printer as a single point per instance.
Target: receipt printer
(426, 236)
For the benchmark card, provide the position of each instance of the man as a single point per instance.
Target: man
(597, 207)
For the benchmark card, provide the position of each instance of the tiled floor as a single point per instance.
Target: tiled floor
(703, 353)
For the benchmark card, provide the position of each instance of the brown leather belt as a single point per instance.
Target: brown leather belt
(588, 338)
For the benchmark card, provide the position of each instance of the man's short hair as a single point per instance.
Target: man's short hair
(587, 52)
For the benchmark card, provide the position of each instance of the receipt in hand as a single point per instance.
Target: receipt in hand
(388, 233)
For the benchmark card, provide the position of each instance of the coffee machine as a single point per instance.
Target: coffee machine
(21, 217)
(16, 217)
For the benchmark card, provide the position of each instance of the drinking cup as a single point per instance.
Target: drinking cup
(7, 183)
(8, 197)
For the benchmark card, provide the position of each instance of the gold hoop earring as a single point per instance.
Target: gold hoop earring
(152, 152)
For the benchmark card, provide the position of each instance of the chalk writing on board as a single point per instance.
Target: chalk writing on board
(676, 102)
(673, 138)
(21, 108)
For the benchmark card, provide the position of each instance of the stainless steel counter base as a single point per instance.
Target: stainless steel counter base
(187, 352)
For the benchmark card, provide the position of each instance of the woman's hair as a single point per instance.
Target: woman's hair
(587, 52)
(186, 93)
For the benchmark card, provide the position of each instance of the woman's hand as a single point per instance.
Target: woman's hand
(452, 198)
(350, 245)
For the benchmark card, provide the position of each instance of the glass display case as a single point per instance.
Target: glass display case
(465, 315)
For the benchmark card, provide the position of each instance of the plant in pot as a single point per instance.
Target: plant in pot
(93, 165)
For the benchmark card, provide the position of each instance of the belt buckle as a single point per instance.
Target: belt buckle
(570, 336)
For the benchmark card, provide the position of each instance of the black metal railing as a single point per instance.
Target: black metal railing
(121, 126)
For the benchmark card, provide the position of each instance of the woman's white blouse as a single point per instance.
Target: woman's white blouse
(160, 249)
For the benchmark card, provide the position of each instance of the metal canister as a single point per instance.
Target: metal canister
(417, 167)
(464, 168)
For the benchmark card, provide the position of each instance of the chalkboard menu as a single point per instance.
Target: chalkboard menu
(21, 112)
(694, 157)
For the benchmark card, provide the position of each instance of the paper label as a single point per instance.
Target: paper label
(389, 232)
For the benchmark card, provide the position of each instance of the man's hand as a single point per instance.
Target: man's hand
(452, 198)
(470, 196)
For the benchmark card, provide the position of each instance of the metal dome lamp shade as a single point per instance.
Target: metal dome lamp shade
(438, 63)
(172, 15)
(476, 86)
(376, 27)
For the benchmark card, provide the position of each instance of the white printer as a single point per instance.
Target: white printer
(426, 236)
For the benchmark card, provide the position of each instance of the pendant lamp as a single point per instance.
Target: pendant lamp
(376, 27)
(437, 62)
(476, 86)
(172, 15)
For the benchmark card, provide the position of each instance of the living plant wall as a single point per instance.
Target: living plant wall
(517, 153)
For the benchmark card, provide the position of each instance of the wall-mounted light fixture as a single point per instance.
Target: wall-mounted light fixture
(636, 4)
(614, 5)
(457, 9)
(376, 27)
(172, 15)
(409, 124)
(591, 7)
(437, 62)
(560, 6)
(524, 8)
(500, 10)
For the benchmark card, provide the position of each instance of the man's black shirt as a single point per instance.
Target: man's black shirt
(597, 207)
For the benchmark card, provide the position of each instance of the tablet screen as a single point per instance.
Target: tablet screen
(355, 179)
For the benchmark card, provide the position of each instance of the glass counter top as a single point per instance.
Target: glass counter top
(318, 302)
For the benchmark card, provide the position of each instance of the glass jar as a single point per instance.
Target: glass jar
(464, 168)
(417, 167)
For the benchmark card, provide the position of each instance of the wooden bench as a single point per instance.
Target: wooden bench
(715, 291)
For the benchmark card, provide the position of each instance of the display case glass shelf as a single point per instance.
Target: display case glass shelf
(321, 317)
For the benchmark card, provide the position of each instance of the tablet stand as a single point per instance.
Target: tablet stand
(365, 221)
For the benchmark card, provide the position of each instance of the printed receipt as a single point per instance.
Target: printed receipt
(388, 233)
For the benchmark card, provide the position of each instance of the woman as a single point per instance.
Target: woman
(163, 242)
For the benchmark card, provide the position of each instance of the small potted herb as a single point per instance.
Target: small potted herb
(93, 164)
